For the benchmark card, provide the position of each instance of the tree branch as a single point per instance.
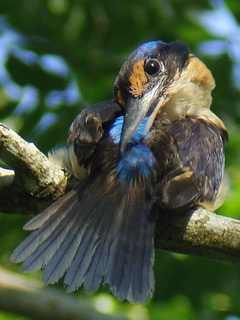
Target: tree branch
(201, 233)
(28, 298)
(36, 179)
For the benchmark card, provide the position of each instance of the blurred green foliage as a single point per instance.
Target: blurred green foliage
(8, 316)
(93, 38)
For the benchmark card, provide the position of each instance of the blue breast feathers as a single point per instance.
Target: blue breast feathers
(138, 159)
(116, 130)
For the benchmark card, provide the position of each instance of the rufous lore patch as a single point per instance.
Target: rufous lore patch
(137, 79)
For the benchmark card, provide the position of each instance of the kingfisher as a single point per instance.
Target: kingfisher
(155, 147)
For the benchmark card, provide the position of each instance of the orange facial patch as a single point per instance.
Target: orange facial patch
(138, 79)
(199, 73)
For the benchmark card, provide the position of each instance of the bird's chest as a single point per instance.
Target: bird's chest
(146, 156)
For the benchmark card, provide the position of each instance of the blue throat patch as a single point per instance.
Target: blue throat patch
(138, 159)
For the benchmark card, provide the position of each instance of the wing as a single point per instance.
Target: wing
(199, 164)
(85, 132)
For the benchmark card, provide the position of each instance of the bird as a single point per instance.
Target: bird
(155, 147)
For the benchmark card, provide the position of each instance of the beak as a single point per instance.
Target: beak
(136, 110)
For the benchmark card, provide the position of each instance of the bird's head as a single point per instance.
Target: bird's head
(165, 81)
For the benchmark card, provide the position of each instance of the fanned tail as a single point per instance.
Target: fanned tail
(96, 233)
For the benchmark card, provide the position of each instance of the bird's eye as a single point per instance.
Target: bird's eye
(152, 67)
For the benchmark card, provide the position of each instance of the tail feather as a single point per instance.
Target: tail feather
(96, 233)
(63, 257)
(46, 215)
(45, 251)
(48, 226)
(65, 254)
(97, 269)
(82, 259)
(87, 257)
(130, 267)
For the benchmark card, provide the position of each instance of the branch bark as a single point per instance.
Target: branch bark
(201, 233)
(36, 179)
(28, 298)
